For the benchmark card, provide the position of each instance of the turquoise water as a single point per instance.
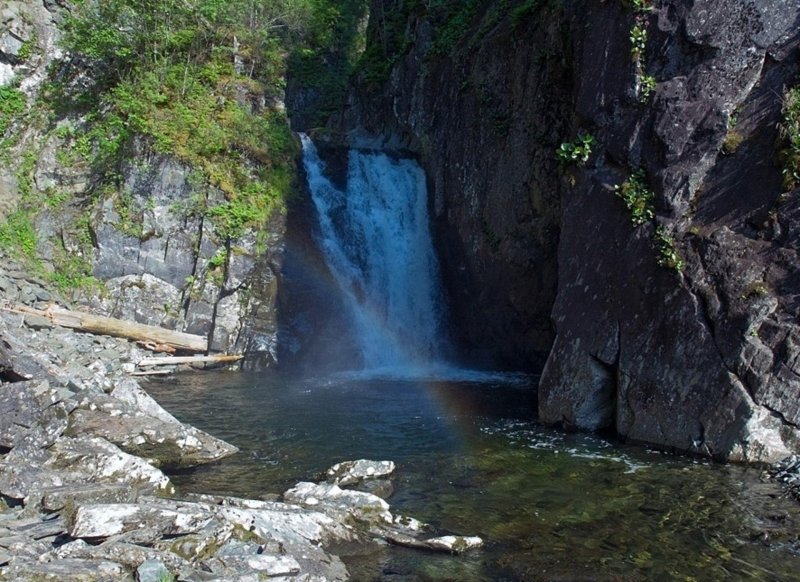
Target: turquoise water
(472, 460)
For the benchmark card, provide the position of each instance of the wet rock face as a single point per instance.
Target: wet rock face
(704, 359)
(699, 360)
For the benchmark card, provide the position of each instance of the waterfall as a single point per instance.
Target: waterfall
(375, 238)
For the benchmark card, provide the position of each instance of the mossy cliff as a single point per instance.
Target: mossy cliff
(148, 160)
(654, 265)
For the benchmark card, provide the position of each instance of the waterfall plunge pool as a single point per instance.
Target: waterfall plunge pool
(471, 457)
(473, 460)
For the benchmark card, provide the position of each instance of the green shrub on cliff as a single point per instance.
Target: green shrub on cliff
(325, 54)
(790, 128)
(638, 198)
(576, 151)
(201, 80)
(12, 104)
(668, 255)
(18, 236)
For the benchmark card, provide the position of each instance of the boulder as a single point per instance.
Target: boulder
(106, 520)
(74, 461)
(343, 505)
(135, 422)
(67, 570)
(152, 571)
(31, 412)
(354, 472)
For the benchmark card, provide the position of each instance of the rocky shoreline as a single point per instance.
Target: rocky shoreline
(84, 495)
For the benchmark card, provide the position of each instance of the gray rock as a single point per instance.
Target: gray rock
(69, 570)
(143, 298)
(152, 571)
(106, 520)
(343, 505)
(262, 565)
(9, 541)
(449, 544)
(57, 498)
(371, 515)
(140, 426)
(40, 529)
(28, 475)
(353, 472)
(127, 554)
(31, 411)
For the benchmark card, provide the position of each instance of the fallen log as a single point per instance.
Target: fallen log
(130, 330)
(151, 373)
(175, 360)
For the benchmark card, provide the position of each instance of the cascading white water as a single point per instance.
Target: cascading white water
(376, 241)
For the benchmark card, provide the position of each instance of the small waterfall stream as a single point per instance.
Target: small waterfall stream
(376, 241)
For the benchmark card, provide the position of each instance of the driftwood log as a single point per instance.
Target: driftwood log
(131, 330)
(174, 361)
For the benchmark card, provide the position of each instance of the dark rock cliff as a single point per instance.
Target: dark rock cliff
(698, 355)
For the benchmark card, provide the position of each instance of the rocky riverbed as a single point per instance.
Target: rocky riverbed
(83, 489)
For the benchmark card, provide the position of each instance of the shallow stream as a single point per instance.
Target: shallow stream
(472, 460)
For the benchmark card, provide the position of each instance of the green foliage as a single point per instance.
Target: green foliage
(17, 234)
(325, 54)
(640, 6)
(24, 174)
(647, 84)
(130, 219)
(389, 43)
(637, 197)
(790, 129)
(28, 48)
(638, 38)
(576, 151)
(458, 26)
(733, 139)
(72, 271)
(12, 104)
(668, 254)
(456, 18)
(189, 76)
(54, 198)
(523, 9)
